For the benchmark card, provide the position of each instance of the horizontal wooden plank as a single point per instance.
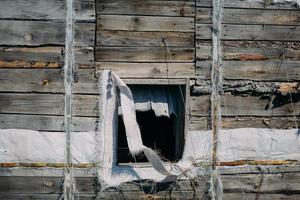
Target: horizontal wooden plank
(251, 32)
(248, 53)
(248, 105)
(142, 38)
(144, 7)
(149, 70)
(45, 80)
(41, 196)
(262, 183)
(243, 195)
(250, 16)
(145, 23)
(243, 87)
(43, 57)
(254, 70)
(45, 123)
(203, 123)
(252, 4)
(45, 10)
(34, 33)
(144, 54)
(47, 104)
(42, 185)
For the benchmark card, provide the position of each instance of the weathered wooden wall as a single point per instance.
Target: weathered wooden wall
(151, 39)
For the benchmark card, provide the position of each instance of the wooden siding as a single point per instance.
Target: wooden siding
(159, 42)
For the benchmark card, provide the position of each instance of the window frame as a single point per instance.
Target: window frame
(185, 82)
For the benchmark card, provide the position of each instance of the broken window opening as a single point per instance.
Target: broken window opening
(160, 113)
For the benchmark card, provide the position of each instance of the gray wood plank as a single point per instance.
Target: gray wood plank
(149, 70)
(45, 80)
(43, 57)
(252, 4)
(46, 123)
(34, 33)
(264, 183)
(45, 10)
(40, 196)
(145, 23)
(248, 196)
(144, 54)
(42, 185)
(251, 32)
(144, 38)
(203, 123)
(144, 7)
(247, 106)
(251, 16)
(47, 104)
(254, 70)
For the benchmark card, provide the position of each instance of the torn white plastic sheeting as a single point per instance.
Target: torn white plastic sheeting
(161, 99)
(115, 91)
(28, 146)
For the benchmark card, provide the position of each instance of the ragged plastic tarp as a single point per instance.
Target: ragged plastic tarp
(29, 146)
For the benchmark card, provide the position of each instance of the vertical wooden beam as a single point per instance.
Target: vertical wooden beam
(216, 79)
(68, 83)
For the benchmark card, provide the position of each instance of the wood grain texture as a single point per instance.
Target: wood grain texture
(42, 185)
(144, 7)
(251, 32)
(45, 10)
(43, 57)
(264, 183)
(46, 123)
(254, 70)
(45, 80)
(251, 4)
(203, 123)
(35, 33)
(47, 104)
(247, 106)
(144, 23)
(144, 54)
(144, 38)
(149, 70)
(251, 16)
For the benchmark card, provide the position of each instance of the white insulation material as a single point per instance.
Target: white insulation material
(29, 146)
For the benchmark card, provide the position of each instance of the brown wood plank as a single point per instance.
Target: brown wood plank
(251, 32)
(145, 23)
(45, 10)
(43, 57)
(247, 105)
(142, 38)
(251, 4)
(144, 7)
(149, 70)
(45, 123)
(254, 70)
(144, 54)
(34, 33)
(45, 80)
(203, 123)
(251, 16)
(47, 104)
